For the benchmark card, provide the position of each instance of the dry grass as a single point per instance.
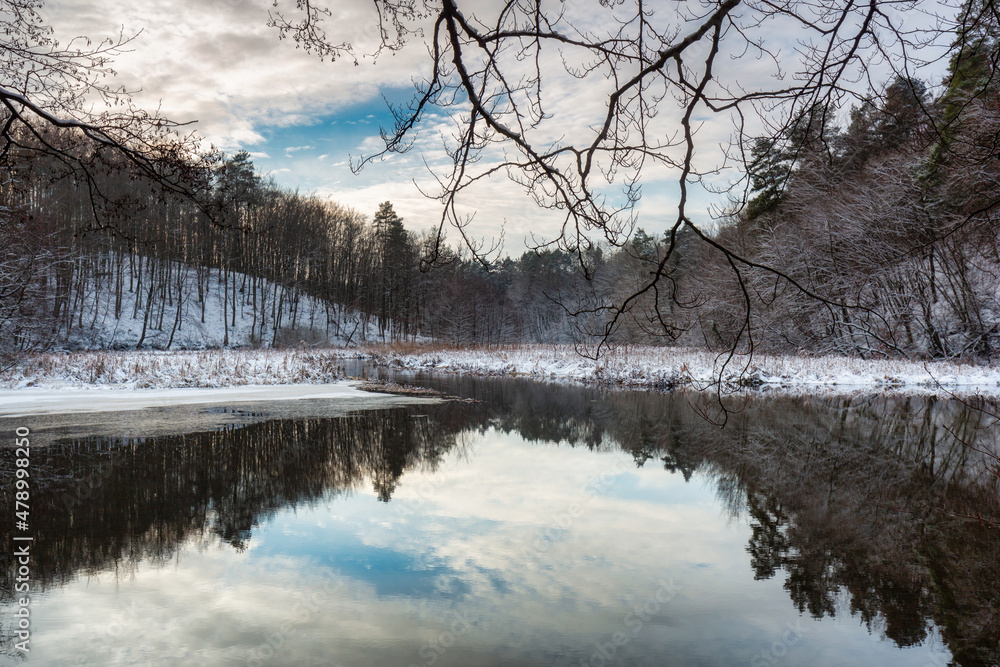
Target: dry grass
(429, 347)
(386, 387)
(148, 369)
(664, 368)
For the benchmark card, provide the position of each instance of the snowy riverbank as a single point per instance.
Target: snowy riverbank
(636, 367)
(667, 368)
(40, 401)
(143, 369)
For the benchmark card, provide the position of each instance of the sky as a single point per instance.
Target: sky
(533, 587)
(303, 120)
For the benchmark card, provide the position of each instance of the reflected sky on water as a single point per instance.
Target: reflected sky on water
(542, 526)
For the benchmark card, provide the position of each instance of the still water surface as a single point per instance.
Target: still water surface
(542, 525)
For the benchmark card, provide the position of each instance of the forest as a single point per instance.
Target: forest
(869, 230)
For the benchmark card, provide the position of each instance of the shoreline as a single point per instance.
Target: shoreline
(40, 401)
(629, 367)
(666, 369)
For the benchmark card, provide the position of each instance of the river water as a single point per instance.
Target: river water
(540, 525)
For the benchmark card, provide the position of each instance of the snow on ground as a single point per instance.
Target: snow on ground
(233, 318)
(149, 369)
(666, 368)
(113, 381)
(38, 401)
(633, 366)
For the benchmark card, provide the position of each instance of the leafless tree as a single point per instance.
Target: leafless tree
(59, 111)
(651, 74)
(47, 85)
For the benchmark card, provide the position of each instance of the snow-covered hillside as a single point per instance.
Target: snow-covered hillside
(268, 316)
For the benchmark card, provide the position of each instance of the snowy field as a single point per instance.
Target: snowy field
(636, 367)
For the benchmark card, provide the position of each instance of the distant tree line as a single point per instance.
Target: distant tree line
(257, 251)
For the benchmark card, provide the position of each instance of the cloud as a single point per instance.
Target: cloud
(219, 63)
(317, 584)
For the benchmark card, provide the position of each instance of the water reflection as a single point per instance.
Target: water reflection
(100, 502)
(854, 503)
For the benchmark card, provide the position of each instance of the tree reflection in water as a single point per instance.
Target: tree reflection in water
(100, 503)
(858, 500)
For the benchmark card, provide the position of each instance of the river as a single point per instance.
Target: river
(541, 524)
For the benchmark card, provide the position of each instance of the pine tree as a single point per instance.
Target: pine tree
(394, 258)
